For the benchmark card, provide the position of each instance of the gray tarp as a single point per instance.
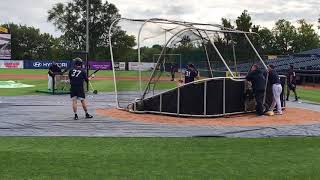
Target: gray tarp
(47, 115)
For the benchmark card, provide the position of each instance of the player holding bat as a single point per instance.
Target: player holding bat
(77, 77)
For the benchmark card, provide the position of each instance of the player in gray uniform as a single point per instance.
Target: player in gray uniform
(274, 80)
(77, 77)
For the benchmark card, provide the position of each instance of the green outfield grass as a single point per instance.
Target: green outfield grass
(107, 85)
(159, 158)
(44, 71)
(308, 94)
(99, 85)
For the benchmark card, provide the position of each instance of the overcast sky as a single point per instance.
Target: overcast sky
(263, 12)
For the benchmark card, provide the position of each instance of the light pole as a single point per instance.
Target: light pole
(87, 42)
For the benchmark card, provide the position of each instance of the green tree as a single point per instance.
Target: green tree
(227, 24)
(71, 20)
(186, 42)
(243, 48)
(307, 38)
(244, 21)
(285, 35)
(266, 41)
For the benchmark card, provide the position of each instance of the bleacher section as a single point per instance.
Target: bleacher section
(308, 60)
(311, 52)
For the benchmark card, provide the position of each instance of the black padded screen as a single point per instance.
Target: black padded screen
(235, 96)
(152, 104)
(192, 99)
(169, 101)
(214, 97)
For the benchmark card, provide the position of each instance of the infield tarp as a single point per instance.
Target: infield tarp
(13, 85)
(52, 116)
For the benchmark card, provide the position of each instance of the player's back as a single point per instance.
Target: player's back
(77, 77)
(190, 75)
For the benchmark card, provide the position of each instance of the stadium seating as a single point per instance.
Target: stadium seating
(308, 60)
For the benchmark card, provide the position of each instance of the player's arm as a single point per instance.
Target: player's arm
(195, 74)
(69, 74)
(50, 72)
(85, 76)
(249, 76)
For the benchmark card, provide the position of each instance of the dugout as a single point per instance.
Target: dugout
(150, 90)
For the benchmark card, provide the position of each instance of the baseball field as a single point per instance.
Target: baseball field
(164, 157)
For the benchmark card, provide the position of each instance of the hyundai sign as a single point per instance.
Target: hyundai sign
(45, 64)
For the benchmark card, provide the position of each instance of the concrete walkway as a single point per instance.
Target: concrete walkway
(47, 115)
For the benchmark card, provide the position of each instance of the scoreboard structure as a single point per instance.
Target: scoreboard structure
(5, 43)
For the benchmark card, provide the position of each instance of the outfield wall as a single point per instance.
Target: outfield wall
(11, 64)
(45, 64)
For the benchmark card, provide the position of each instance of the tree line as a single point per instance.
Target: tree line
(70, 18)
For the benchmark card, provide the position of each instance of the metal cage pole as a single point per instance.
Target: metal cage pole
(221, 57)
(234, 55)
(255, 50)
(159, 58)
(207, 55)
(112, 60)
(139, 54)
(264, 65)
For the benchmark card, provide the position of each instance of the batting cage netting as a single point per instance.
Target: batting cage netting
(158, 64)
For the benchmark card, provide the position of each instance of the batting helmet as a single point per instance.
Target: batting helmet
(77, 61)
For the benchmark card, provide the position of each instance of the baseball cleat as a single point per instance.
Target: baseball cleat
(88, 116)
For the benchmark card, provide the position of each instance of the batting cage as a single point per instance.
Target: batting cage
(166, 50)
(57, 76)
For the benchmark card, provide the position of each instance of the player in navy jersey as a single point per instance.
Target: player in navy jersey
(291, 82)
(190, 74)
(77, 77)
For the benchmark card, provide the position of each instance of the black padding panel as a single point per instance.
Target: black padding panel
(214, 97)
(152, 104)
(235, 96)
(192, 99)
(169, 101)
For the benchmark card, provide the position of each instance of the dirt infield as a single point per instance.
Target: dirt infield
(292, 116)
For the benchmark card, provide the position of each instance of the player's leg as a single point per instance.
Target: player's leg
(74, 107)
(73, 95)
(288, 91)
(49, 82)
(259, 95)
(277, 93)
(295, 92)
(85, 108)
(273, 104)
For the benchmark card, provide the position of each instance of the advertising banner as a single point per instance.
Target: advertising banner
(45, 64)
(5, 46)
(11, 64)
(120, 66)
(102, 65)
(134, 66)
